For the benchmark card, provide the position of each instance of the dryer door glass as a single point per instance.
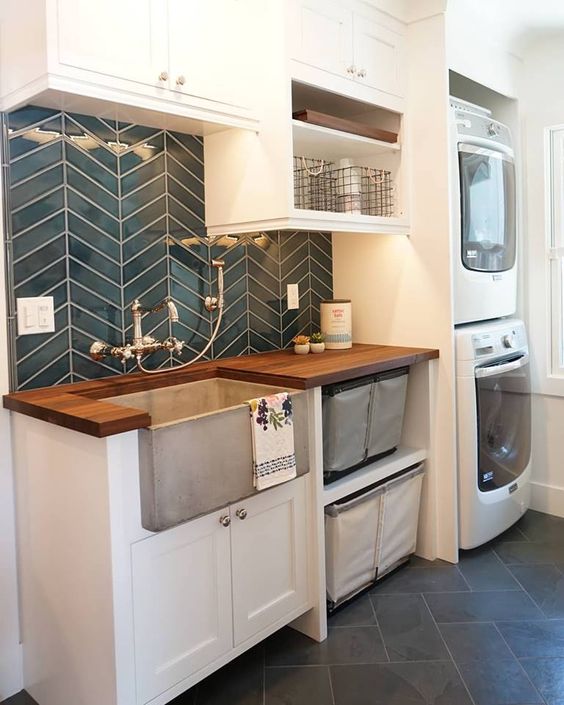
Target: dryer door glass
(487, 206)
(503, 398)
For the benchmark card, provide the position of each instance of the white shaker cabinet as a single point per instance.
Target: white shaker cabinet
(269, 557)
(205, 587)
(181, 602)
(352, 40)
(169, 59)
(126, 39)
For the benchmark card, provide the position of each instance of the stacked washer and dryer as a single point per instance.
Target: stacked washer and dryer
(492, 356)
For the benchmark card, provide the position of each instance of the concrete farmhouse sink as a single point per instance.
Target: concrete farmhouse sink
(197, 456)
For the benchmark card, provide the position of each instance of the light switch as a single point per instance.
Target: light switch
(293, 296)
(36, 314)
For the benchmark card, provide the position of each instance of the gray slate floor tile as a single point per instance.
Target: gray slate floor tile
(21, 698)
(343, 645)
(474, 642)
(242, 679)
(534, 639)
(358, 613)
(416, 580)
(514, 533)
(537, 526)
(499, 682)
(483, 570)
(430, 683)
(548, 676)
(545, 584)
(296, 686)
(482, 606)
(409, 631)
(529, 552)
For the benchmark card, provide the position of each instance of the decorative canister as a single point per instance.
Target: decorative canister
(336, 323)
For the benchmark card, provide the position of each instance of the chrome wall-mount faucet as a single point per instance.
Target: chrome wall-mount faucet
(143, 345)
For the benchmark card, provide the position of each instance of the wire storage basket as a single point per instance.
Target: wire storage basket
(315, 186)
(357, 190)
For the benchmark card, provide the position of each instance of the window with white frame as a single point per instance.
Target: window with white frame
(555, 210)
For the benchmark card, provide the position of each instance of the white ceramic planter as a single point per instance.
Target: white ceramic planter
(317, 347)
(301, 349)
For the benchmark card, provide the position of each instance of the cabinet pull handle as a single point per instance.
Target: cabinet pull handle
(225, 520)
(163, 76)
(351, 68)
(361, 73)
(180, 81)
(241, 513)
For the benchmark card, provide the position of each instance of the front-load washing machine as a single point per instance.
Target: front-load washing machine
(493, 399)
(483, 215)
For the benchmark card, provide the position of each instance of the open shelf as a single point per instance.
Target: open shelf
(403, 458)
(313, 140)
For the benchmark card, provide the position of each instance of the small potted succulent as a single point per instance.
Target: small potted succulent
(301, 344)
(317, 343)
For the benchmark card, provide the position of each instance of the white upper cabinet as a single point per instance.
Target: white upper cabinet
(126, 39)
(351, 40)
(322, 35)
(182, 58)
(378, 56)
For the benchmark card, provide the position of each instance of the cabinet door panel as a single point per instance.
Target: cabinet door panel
(269, 554)
(125, 39)
(322, 35)
(207, 48)
(182, 602)
(378, 53)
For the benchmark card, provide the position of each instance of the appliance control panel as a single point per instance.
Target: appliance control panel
(499, 342)
(472, 125)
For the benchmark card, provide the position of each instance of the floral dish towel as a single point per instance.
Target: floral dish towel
(272, 429)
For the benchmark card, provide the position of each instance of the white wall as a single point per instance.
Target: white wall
(401, 288)
(542, 106)
(10, 650)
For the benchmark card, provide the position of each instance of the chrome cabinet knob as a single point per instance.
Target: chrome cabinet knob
(351, 69)
(225, 520)
(241, 513)
(163, 76)
(180, 81)
(361, 73)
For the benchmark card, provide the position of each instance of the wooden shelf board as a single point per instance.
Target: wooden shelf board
(325, 143)
(403, 458)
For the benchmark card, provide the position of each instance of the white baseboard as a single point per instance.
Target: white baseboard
(547, 499)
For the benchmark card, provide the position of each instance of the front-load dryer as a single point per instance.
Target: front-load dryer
(493, 400)
(483, 215)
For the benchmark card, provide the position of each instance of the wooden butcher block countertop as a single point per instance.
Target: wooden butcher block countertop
(78, 406)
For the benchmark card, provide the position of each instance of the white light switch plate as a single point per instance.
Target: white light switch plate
(293, 296)
(36, 314)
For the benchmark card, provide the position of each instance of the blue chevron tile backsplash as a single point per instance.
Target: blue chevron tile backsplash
(99, 213)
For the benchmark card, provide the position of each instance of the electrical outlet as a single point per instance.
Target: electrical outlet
(293, 296)
(36, 314)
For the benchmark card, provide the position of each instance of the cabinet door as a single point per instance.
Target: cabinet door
(125, 39)
(322, 35)
(207, 48)
(269, 554)
(378, 56)
(182, 602)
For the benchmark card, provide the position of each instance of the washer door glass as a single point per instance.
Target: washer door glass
(503, 398)
(487, 206)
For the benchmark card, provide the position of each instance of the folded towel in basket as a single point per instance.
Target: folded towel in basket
(272, 429)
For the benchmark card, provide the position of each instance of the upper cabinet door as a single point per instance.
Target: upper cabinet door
(269, 554)
(208, 48)
(378, 55)
(181, 602)
(125, 39)
(322, 36)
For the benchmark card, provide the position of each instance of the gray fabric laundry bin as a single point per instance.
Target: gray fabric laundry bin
(362, 421)
(370, 533)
